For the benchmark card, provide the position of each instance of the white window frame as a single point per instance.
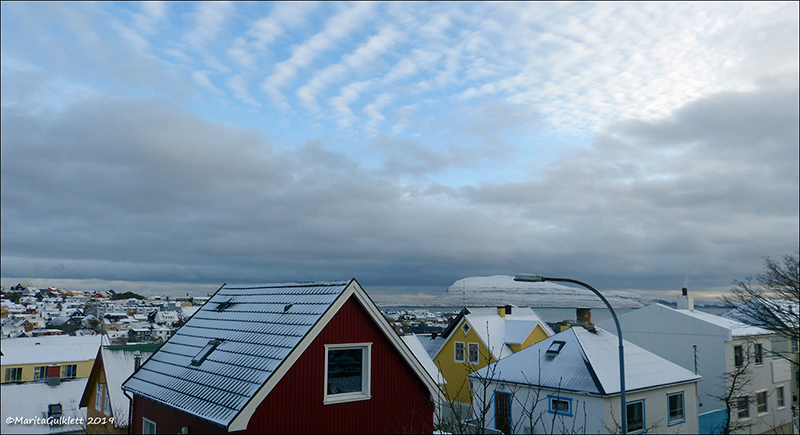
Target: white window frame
(780, 395)
(149, 426)
(745, 410)
(38, 371)
(477, 348)
(73, 373)
(463, 352)
(14, 374)
(765, 404)
(682, 419)
(551, 400)
(98, 400)
(107, 403)
(741, 356)
(366, 375)
(758, 352)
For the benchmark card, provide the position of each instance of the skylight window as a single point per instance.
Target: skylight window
(205, 352)
(555, 347)
(225, 305)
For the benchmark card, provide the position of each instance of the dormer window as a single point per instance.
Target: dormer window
(205, 352)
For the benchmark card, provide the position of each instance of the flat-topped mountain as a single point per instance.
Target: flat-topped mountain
(502, 290)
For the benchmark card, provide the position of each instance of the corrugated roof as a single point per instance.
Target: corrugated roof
(258, 328)
(54, 349)
(587, 362)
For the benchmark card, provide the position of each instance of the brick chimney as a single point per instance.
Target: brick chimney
(583, 317)
(685, 302)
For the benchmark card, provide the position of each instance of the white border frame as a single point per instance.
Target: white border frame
(477, 353)
(146, 420)
(366, 375)
(455, 352)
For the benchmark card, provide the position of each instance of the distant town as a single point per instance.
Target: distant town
(106, 362)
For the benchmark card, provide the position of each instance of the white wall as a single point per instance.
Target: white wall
(591, 414)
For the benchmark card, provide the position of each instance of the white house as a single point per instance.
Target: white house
(569, 383)
(712, 347)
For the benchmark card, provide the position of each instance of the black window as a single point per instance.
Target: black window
(738, 356)
(676, 407)
(758, 354)
(635, 416)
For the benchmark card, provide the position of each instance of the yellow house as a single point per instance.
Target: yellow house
(103, 398)
(28, 359)
(481, 336)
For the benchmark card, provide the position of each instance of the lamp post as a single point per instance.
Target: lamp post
(540, 278)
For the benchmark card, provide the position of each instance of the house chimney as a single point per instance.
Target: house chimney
(584, 317)
(137, 361)
(685, 302)
(501, 311)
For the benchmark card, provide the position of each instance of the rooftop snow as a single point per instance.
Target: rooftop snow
(49, 349)
(118, 365)
(587, 362)
(31, 399)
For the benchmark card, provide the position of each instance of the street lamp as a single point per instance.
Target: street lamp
(540, 278)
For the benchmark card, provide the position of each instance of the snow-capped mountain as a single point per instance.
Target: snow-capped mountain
(502, 290)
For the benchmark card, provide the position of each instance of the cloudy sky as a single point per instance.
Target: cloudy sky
(173, 147)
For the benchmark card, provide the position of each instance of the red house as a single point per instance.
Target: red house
(284, 358)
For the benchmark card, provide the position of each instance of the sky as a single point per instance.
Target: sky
(172, 147)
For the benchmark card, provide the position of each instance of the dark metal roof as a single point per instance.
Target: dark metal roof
(256, 331)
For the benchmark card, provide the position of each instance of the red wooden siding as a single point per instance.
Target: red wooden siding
(400, 401)
(168, 420)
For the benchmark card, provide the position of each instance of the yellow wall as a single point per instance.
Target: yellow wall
(83, 370)
(455, 373)
(92, 411)
(536, 335)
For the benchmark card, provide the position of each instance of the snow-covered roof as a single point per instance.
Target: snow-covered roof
(118, 365)
(414, 343)
(31, 400)
(54, 349)
(738, 329)
(586, 362)
(497, 332)
(233, 349)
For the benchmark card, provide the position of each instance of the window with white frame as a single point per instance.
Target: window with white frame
(635, 416)
(473, 353)
(738, 356)
(107, 403)
(779, 395)
(758, 351)
(70, 371)
(347, 372)
(675, 403)
(459, 352)
(148, 426)
(559, 405)
(761, 402)
(743, 407)
(39, 373)
(14, 374)
(98, 398)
